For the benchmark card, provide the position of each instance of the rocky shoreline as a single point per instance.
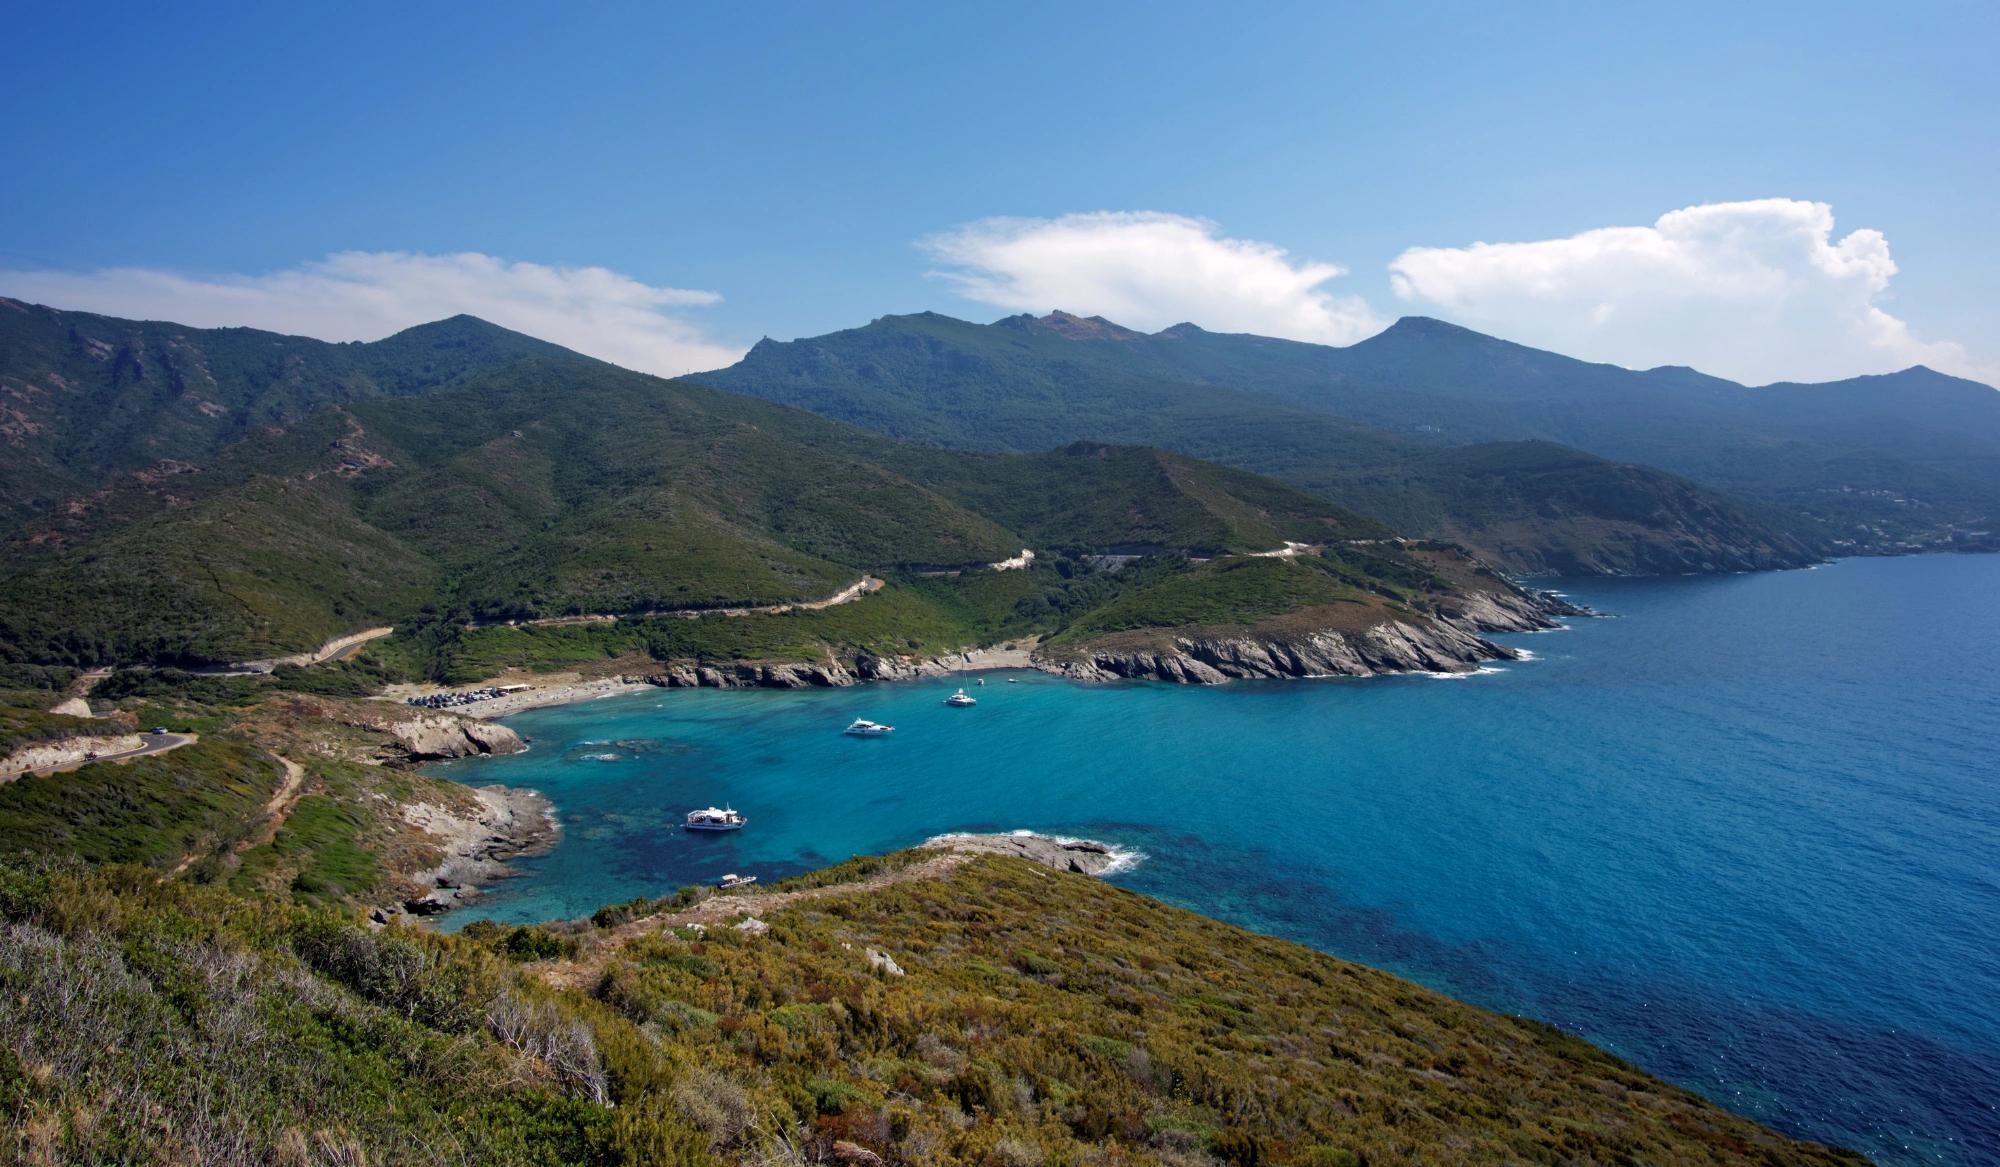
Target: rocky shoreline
(832, 673)
(1082, 856)
(1451, 640)
(479, 843)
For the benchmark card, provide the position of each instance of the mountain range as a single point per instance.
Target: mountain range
(1660, 471)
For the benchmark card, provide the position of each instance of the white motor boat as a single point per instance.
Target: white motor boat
(715, 818)
(961, 698)
(735, 880)
(862, 727)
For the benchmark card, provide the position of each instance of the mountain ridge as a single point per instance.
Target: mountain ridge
(1031, 382)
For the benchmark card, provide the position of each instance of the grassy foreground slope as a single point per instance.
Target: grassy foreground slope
(1039, 1017)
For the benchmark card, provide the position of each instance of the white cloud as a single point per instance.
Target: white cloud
(1148, 270)
(1758, 291)
(366, 295)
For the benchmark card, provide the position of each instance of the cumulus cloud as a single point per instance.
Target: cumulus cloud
(366, 295)
(1148, 270)
(1757, 291)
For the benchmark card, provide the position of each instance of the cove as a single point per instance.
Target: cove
(1745, 832)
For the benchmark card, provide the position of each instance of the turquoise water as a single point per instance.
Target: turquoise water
(1746, 834)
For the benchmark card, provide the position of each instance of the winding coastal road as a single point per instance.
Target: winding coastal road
(339, 648)
(156, 743)
(866, 585)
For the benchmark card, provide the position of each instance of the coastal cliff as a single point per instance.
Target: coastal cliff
(477, 837)
(1329, 641)
(1202, 659)
(830, 672)
(1449, 638)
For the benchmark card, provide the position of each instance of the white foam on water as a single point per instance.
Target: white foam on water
(1123, 859)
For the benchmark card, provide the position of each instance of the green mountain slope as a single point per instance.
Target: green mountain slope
(1544, 508)
(1026, 383)
(525, 482)
(1134, 498)
(86, 397)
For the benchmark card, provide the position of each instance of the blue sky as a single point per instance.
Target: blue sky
(791, 158)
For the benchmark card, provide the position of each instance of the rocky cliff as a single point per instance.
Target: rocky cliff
(1449, 639)
(478, 837)
(443, 735)
(829, 672)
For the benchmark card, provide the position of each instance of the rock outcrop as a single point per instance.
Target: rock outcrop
(442, 735)
(828, 672)
(1082, 856)
(478, 839)
(1449, 640)
(392, 734)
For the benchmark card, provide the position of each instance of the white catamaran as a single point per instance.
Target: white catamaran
(961, 698)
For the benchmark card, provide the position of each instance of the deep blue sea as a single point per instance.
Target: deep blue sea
(1745, 833)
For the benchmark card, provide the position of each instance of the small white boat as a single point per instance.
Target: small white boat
(862, 727)
(735, 880)
(715, 818)
(960, 698)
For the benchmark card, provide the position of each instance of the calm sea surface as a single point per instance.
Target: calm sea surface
(1746, 833)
